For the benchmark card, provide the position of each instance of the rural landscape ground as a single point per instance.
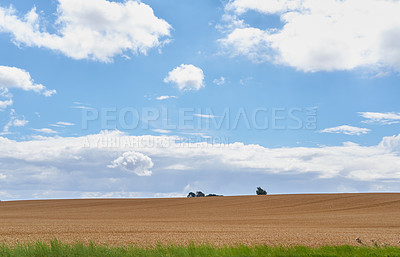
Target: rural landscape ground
(285, 220)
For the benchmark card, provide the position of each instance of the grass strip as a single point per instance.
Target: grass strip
(56, 248)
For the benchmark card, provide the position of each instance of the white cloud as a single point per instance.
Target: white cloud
(5, 93)
(12, 77)
(186, 77)
(4, 104)
(14, 122)
(263, 6)
(62, 124)
(220, 81)
(250, 42)
(75, 165)
(385, 118)
(322, 160)
(165, 97)
(348, 130)
(91, 29)
(20, 123)
(320, 36)
(391, 143)
(46, 131)
(134, 162)
(7, 98)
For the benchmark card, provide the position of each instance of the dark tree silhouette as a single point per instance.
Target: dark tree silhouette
(200, 194)
(260, 191)
(211, 195)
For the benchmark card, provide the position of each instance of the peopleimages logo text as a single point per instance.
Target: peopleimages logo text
(261, 118)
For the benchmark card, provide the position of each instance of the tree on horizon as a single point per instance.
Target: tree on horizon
(261, 191)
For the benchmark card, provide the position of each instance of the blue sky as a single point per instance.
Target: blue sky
(176, 69)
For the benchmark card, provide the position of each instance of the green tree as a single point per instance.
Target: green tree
(200, 194)
(260, 191)
(191, 194)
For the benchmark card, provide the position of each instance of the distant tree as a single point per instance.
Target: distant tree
(260, 191)
(191, 194)
(200, 194)
(211, 195)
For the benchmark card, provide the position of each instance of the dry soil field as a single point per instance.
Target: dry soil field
(276, 219)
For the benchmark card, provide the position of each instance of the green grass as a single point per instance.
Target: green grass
(56, 248)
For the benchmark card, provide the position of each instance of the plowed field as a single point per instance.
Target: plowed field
(311, 220)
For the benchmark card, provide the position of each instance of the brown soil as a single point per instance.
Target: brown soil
(312, 220)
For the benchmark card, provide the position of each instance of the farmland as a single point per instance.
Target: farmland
(286, 220)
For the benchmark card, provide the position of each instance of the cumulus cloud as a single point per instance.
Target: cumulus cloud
(91, 29)
(385, 118)
(12, 77)
(111, 162)
(346, 129)
(186, 77)
(250, 42)
(316, 36)
(392, 144)
(134, 162)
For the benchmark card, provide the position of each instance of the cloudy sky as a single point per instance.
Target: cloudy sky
(158, 98)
